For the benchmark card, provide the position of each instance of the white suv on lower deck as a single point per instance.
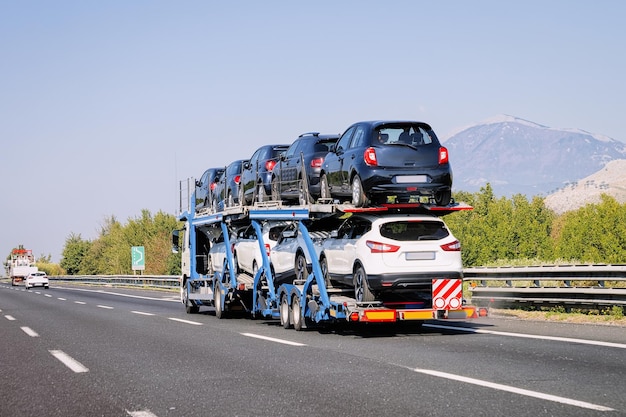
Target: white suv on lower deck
(391, 254)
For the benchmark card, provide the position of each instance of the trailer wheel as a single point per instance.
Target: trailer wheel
(285, 312)
(361, 290)
(217, 302)
(190, 308)
(296, 314)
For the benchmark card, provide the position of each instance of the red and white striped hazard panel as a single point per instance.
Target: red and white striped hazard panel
(447, 294)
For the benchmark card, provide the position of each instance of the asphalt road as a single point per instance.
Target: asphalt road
(79, 351)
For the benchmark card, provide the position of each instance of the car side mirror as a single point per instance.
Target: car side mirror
(175, 241)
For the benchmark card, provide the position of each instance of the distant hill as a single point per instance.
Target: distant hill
(520, 157)
(610, 180)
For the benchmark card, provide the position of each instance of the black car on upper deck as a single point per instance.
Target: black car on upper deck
(228, 191)
(256, 175)
(205, 187)
(377, 162)
(301, 162)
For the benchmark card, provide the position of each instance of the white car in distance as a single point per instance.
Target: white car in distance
(36, 279)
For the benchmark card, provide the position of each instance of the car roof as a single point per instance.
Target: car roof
(377, 123)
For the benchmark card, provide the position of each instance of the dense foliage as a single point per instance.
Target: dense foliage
(110, 253)
(517, 231)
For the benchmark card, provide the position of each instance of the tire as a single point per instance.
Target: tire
(285, 313)
(275, 190)
(241, 198)
(236, 264)
(443, 197)
(261, 195)
(358, 195)
(325, 274)
(296, 314)
(190, 307)
(324, 187)
(217, 302)
(304, 197)
(300, 266)
(361, 290)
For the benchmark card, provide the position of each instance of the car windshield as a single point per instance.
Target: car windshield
(412, 135)
(414, 230)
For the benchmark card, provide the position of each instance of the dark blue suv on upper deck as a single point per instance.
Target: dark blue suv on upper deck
(379, 162)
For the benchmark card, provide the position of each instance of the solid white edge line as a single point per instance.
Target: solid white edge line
(68, 361)
(185, 321)
(271, 339)
(142, 313)
(29, 331)
(520, 391)
(531, 336)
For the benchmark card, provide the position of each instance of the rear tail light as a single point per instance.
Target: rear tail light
(317, 162)
(369, 156)
(269, 165)
(452, 246)
(237, 179)
(377, 247)
(267, 249)
(213, 185)
(443, 155)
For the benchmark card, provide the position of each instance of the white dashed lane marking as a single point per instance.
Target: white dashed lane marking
(29, 331)
(68, 361)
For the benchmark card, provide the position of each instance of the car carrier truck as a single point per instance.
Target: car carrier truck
(299, 303)
(20, 265)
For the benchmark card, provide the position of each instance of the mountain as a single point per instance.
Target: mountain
(610, 180)
(517, 156)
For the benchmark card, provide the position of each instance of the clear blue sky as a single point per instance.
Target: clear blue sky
(105, 105)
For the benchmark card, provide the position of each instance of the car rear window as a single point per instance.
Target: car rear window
(413, 135)
(414, 230)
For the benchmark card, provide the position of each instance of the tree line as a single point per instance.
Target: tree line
(498, 231)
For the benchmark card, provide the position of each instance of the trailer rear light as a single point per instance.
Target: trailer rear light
(443, 155)
(369, 157)
(269, 165)
(377, 247)
(452, 246)
(241, 286)
(317, 162)
(354, 316)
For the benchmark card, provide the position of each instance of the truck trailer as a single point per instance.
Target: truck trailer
(299, 303)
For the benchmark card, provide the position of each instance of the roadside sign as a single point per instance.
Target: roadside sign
(138, 256)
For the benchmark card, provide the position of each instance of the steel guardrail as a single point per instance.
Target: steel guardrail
(143, 281)
(570, 286)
